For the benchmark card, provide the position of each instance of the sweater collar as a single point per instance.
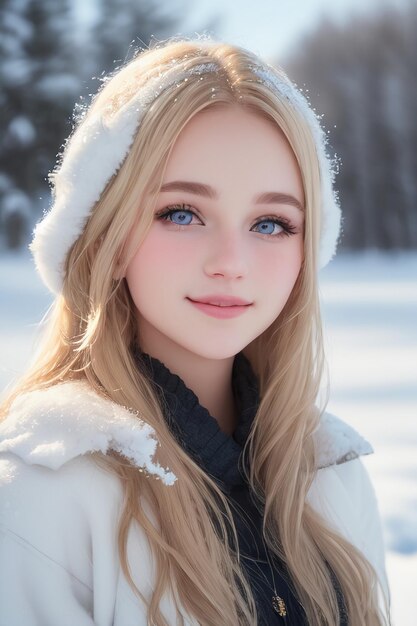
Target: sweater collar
(197, 431)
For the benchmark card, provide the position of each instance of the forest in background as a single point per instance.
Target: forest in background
(358, 76)
(361, 77)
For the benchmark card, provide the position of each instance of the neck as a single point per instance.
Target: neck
(209, 379)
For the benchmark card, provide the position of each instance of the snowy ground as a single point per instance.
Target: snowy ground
(370, 311)
(370, 314)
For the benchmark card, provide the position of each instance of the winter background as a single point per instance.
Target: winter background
(357, 60)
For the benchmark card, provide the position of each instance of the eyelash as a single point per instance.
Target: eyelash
(288, 227)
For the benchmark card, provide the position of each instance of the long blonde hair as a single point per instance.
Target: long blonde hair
(92, 326)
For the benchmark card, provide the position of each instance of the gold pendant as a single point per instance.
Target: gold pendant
(279, 606)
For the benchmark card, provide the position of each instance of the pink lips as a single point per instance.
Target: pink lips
(220, 299)
(221, 312)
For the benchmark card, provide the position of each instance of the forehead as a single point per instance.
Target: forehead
(228, 121)
(225, 145)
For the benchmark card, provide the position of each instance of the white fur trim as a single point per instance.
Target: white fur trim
(337, 442)
(97, 149)
(52, 426)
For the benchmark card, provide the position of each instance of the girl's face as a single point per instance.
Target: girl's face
(238, 231)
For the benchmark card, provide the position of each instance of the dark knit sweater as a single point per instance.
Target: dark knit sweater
(219, 454)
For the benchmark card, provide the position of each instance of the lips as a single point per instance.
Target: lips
(221, 301)
(220, 312)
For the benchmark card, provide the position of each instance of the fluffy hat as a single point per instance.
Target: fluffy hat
(98, 147)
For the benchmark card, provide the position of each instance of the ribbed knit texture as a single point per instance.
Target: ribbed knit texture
(220, 455)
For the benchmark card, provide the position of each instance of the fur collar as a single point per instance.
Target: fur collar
(52, 426)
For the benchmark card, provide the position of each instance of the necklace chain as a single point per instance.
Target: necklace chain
(278, 603)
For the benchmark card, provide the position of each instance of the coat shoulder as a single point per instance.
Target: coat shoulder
(337, 442)
(51, 426)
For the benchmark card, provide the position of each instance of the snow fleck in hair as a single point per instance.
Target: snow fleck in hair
(97, 148)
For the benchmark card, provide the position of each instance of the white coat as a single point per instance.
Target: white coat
(59, 562)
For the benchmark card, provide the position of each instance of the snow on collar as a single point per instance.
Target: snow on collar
(52, 426)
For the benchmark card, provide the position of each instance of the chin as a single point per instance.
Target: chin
(216, 354)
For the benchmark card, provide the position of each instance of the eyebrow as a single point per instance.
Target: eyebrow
(199, 189)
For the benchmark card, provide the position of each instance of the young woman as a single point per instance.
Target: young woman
(165, 459)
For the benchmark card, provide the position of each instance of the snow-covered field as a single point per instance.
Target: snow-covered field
(370, 314)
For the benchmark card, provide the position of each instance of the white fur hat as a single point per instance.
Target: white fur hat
(97, 149)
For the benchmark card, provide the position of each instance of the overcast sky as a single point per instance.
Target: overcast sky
(267, 27)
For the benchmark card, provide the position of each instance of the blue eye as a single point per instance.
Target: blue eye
(265, 221)
(172, 212)
(286, 226)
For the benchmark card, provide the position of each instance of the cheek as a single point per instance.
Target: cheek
(295, 260)
(158, 263)
(281, 265)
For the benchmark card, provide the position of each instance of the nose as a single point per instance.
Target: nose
(227, 256)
